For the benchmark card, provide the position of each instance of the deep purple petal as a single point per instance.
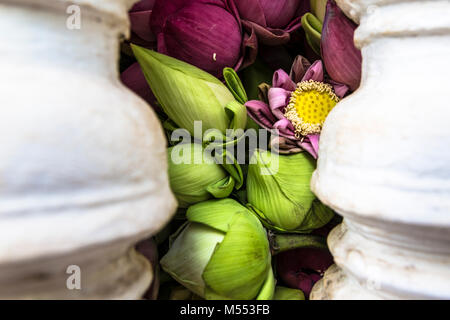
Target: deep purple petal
(140, 25)
(341, 58)
(143, 5)
(302, 268)
(251, 10)
(134, 79)
(299, 68)
(203, 33)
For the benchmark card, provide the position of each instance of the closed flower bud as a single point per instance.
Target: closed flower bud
(281, 194)
(195, 176)
(272, 21)
(140, 17)
(222, 253)
(203, 33)
(188, 94)
(341, 58)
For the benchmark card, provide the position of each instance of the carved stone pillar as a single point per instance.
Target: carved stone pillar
(82, 159)
(384, 161)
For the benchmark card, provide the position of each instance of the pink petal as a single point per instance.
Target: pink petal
(285, 128)
(314, 72)
(310, 144)
(339, 88)
(261, 113)
(282, 80)
(278, 98)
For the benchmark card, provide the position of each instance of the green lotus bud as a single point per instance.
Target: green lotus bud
(283, 293)
(222, 253)
(187, 93)
(281, 195)
(195, 176)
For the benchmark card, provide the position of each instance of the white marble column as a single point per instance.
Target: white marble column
(384, 160)
(83, 172)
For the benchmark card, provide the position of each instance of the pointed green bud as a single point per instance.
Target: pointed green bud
(222, 253)
(313, 31)
(187, 93)
(281, 194)
(195, 176)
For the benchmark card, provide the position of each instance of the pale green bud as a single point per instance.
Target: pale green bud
(195, 176)
(222, 253)
(281, 194)
(187, 93)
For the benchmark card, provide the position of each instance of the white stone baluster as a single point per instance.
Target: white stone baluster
(384, 160)
(82, 159)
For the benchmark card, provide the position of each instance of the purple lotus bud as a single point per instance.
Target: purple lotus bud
(149, 250)
(204, 33)
(272, 21)
(302, 268)
(134, 79)
(273, 14)
(342, 59)
(140, 15)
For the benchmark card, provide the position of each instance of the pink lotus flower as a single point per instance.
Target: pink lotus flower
(296, 106)
(272, 21)
(205, 33)
(141, 33)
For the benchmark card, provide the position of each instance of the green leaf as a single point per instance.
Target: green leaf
(268, 287)
(238, 115)
(235, 85)
(313, 31)
(221, 188)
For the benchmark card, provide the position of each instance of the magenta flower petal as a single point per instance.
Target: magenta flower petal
(143, 5)
(140, 16)
(314, 72)
(314, 142)
(260, 113)
(278, 99)
(285, 128)
(204, 33)
(342, 59)
(302, 268)
(339, 88)
(134, 79)
(282, 80)
(251, 10)
(278, 14)
(272, 21)
(149, 250)
(140, 25)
